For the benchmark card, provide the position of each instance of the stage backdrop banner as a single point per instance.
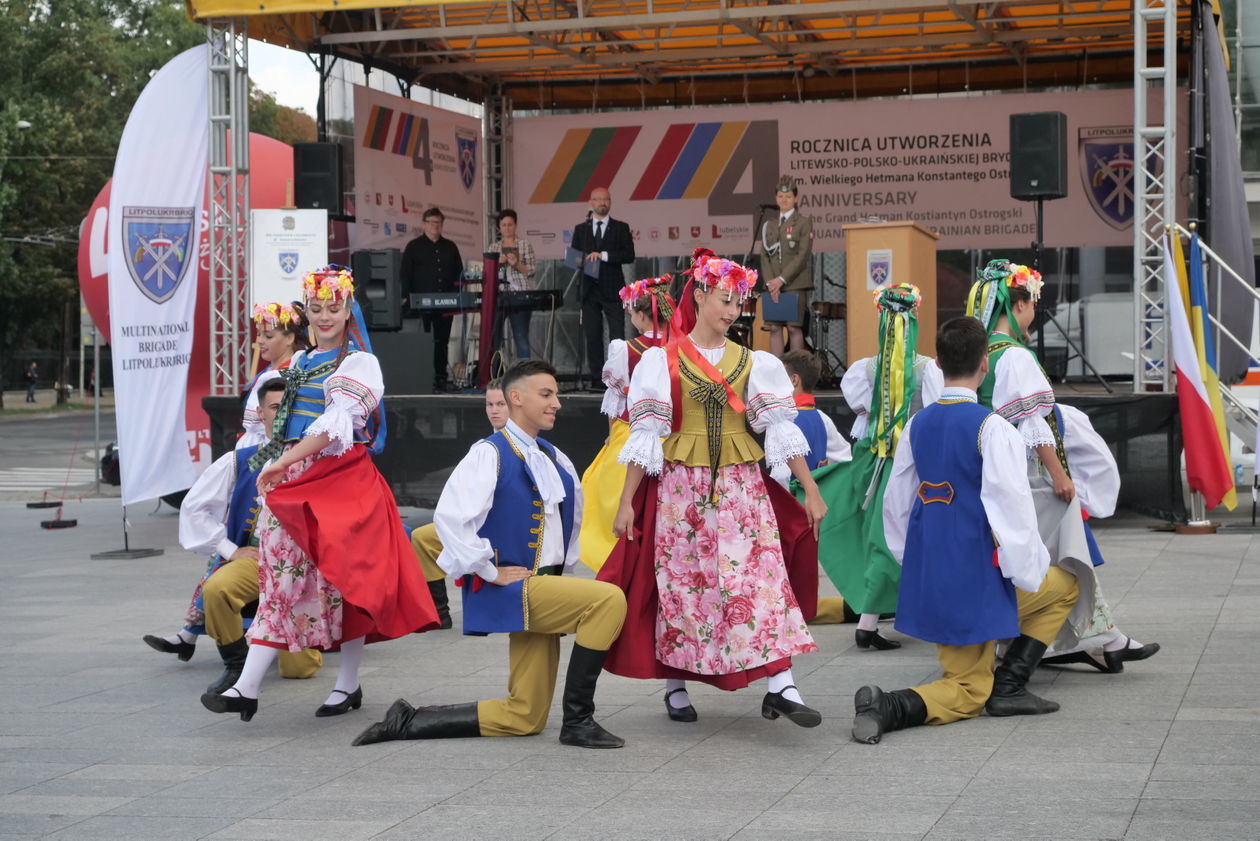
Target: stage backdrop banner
(410, 157)
(684, 178)
(154, 216)
(283, 246)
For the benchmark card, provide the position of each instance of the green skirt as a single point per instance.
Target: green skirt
(851, 545)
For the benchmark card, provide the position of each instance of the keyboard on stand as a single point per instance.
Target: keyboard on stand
(445, 301)
(529, 299)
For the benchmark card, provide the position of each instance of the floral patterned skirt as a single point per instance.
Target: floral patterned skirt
(297, 607)
(725, 601)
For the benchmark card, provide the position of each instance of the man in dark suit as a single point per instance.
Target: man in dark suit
(431, 263)
(606, 242)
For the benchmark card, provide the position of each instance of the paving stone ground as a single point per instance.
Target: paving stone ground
(102, 738)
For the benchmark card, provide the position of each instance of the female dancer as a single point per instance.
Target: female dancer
(884, 391)
(336, 570)
(650, 308)
(1004, 299)
(281, 332)
(702, 557)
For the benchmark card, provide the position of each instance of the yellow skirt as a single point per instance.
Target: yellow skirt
(601, 494)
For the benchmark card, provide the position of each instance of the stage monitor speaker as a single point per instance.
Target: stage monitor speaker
(1039, 155)
(379, 287)
(317, 176)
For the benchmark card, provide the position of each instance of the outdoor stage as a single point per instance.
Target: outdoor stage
(429, 434)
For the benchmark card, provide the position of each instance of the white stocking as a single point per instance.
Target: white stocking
(348, 674)
(868, 622)
(678, 700)
(782, 684)
(257, 662)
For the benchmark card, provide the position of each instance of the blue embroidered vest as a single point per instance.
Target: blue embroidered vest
(952, 591)
(515, 530)
(809, 422)
(310, 402)
(243, 505)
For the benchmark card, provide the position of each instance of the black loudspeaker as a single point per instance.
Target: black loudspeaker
(378, 287)
(317, 176)
(1039, 156)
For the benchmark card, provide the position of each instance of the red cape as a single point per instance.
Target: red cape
(342, 514)
(631, 567)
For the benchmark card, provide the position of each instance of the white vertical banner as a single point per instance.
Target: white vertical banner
(154, 211)
(283, 246)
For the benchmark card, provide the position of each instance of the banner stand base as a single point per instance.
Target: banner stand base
(126, 554)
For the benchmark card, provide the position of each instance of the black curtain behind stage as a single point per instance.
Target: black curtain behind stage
(429, 434)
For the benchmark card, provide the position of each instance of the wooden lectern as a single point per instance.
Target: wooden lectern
(879, 253)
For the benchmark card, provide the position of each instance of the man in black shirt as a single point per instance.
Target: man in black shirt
(608, 243)
(431, 263)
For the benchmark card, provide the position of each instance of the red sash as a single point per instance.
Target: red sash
(688, 349)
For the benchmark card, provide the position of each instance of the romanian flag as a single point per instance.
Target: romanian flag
(1207, 461)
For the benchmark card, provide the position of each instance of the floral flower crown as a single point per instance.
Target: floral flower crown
(648, 286)
(899, 297)
(1014, 274)
(269, 316)
(727, 275)
(330, 284)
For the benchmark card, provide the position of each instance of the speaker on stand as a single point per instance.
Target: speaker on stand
(1039, 172)
(317, 176)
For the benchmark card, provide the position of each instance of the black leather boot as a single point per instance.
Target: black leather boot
(403, 721)
(579, 728)
(437, 589)
(233, 655)
(877, 712)
(1009, 696)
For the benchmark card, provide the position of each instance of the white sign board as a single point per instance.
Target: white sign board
(284, 245)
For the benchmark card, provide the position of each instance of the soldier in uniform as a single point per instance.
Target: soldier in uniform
(787, 245)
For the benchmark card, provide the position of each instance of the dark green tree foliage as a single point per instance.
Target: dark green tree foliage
(73, 69)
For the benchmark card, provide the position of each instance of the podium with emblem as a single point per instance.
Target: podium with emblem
(880, 253)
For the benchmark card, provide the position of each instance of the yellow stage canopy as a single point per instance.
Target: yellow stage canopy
(637, 52)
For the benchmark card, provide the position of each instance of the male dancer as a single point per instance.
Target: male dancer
(509, 557)
(425, 539)
(958, 490)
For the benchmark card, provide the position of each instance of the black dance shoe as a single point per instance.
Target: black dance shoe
(184, 650)
(231, 704)
(872, 639)
(353, 701)
(775, 705)
(1115, 659)
(687, 713)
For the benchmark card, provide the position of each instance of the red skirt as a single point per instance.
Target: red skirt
(343, 516)
(631, 566)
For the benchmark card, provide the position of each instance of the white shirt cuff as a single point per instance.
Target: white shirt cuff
(226, 549)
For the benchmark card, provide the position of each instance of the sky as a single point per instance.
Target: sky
(287, 74)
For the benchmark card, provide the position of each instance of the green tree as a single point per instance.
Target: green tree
(73, 69)
(288, 125)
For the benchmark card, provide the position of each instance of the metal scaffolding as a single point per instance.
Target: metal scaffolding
(1155, 164)
(497, 134)
(229, 204)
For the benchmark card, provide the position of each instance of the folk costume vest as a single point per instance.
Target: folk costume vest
(952, 590)
(710, 433)
(308, 405)
(515, 530)
(243, 504)
(811, 426)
